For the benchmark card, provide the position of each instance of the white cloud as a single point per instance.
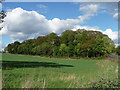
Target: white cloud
(111, 34)
(59, 26)
(85, 27)
(42, 8)
(92, 8)
(2, 46)
(88, 11)
(21, 24)
(116, 16)
(0, 43)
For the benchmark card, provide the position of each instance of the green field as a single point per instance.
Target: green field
(20, 71)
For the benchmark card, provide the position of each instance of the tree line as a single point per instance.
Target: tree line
(79, 43)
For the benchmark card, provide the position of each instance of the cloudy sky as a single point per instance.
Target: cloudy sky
(27, 20)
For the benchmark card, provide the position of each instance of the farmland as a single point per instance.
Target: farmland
(24, 71)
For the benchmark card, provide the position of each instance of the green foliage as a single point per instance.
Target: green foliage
(62, 49)
(118, 50)
(56, 51)
(68, 37)
(80, 43)
(53, 39)
(105, 83)
(37, 50)
(108, 44)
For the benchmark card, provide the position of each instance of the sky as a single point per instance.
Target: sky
(26, 20)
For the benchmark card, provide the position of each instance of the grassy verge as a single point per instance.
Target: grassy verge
(20, 71)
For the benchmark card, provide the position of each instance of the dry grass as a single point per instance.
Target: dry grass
(68, 78)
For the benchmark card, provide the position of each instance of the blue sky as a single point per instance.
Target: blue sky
(64, 10)
(98, 16)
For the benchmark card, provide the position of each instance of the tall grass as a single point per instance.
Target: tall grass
(20, 71)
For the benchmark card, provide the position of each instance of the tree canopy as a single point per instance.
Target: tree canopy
(79, 43)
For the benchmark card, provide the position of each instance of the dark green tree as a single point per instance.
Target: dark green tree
(68, 37)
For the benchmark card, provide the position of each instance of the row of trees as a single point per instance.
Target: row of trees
(80, 43)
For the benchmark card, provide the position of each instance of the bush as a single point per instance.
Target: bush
(105, 83)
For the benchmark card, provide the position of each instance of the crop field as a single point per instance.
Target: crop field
(21, 71)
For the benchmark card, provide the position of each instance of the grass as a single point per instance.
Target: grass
(20, 71)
